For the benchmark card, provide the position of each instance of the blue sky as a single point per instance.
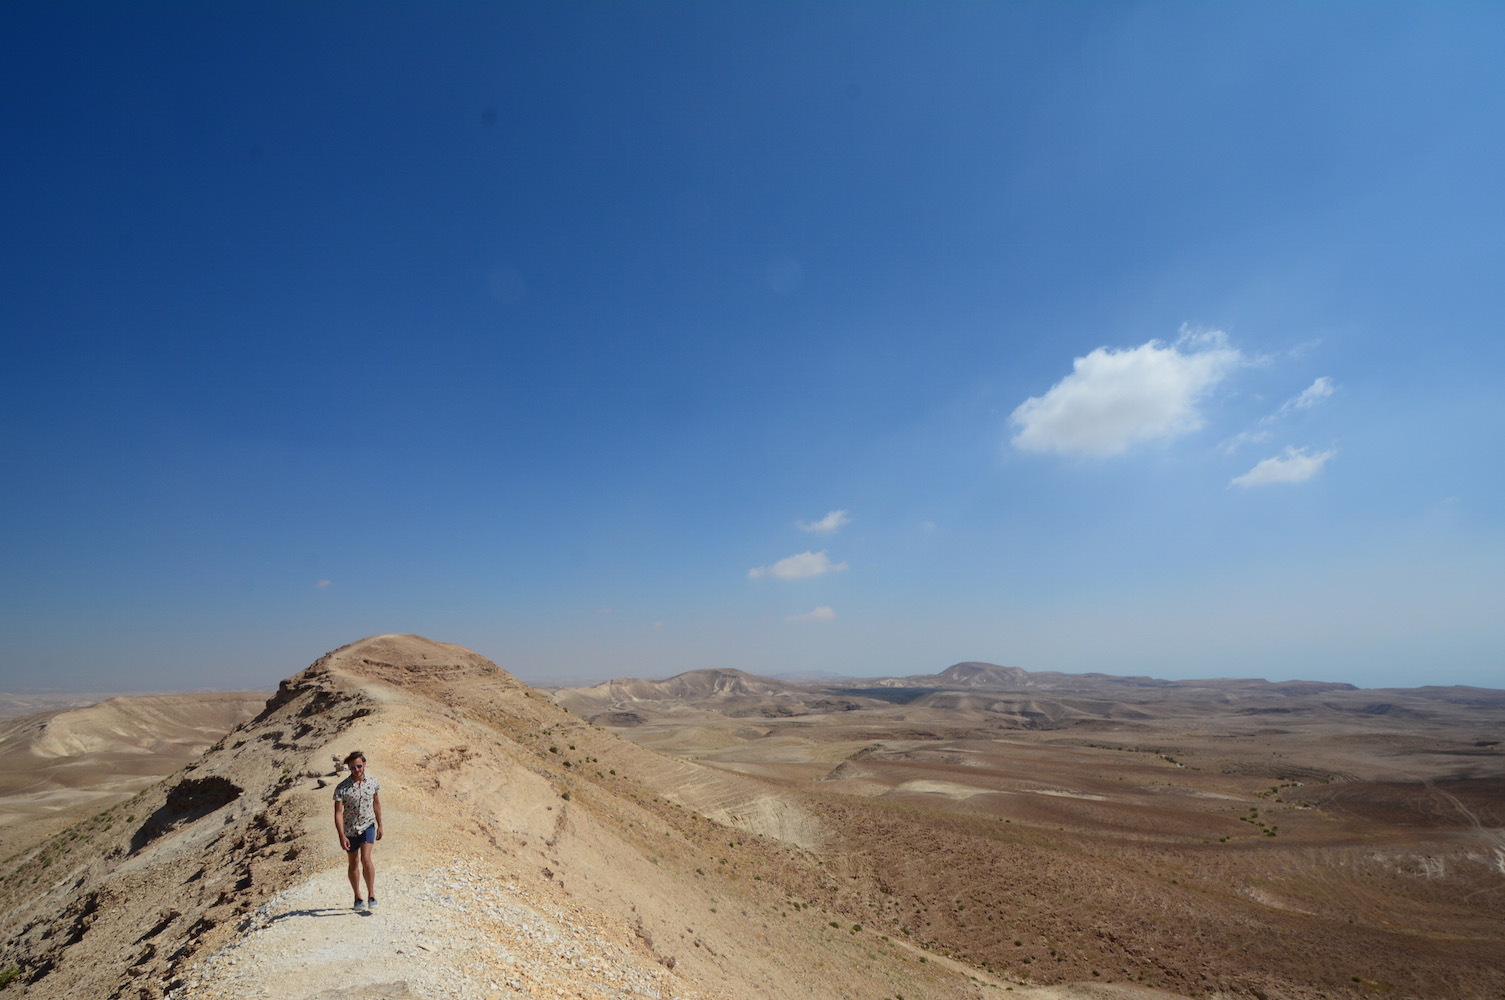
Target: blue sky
(626, 339)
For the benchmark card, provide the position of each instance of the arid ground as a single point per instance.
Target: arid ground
(1218, 836)
(971, 833)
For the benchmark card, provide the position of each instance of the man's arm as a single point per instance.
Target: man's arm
(339, 824)
(376, 808)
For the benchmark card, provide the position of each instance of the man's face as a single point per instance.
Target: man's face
(358, 767)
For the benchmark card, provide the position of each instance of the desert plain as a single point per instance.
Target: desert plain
(979, 831)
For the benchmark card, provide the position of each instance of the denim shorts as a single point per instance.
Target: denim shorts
(366, 836)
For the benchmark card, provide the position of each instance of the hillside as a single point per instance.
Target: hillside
(60, 766)
(527, 853)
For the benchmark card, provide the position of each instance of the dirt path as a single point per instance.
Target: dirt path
(452, 927)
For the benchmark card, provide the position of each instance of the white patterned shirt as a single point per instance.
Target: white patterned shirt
(359, 813)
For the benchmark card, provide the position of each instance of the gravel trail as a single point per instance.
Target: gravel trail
(443, 931)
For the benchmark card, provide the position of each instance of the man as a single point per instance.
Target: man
(357, 821)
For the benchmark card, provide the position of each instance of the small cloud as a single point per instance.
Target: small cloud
(1233, 444)
(322, 584)
(798, 567)
(827, 524)
(928, 527)
(657, 626)
(1295, 466)
(820, 614)
(1310, 396)
(1116, 398)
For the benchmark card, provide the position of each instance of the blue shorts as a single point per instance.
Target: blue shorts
(366, 836)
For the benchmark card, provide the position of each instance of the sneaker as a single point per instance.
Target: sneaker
(360, 904)
(371, 903)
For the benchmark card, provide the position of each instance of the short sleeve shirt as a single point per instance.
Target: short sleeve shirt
(359, 813)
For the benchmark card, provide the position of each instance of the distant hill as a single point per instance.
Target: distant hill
(983, 675)
(1050, 698)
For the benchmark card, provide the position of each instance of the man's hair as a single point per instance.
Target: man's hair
(355, 755)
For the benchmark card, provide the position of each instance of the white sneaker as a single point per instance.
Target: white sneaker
(360, 904)
(371, 903)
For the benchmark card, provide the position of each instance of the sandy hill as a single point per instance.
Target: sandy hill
(527, 854)
(59, 766)
(13, 704)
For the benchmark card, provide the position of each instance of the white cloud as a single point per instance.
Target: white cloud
(1233, 444)
(1115, 398)
(798, 567)
(1295, 466)
(1310, 396)
(820, 614)
(322, 584)
(827, 524)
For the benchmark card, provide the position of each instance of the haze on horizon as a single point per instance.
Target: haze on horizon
(615, 340)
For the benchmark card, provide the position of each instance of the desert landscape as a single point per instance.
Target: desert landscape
(63, 764)
(978, 831)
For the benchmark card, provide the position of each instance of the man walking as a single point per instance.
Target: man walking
(357, 821)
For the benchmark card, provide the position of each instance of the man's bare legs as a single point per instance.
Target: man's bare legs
(367, 867)
(355, 869)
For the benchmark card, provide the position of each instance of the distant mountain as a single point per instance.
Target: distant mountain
(990, 676)
(1018, 697)
(692, 685)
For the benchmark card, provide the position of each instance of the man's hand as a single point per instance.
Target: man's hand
(345, 843)
(378, 831)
